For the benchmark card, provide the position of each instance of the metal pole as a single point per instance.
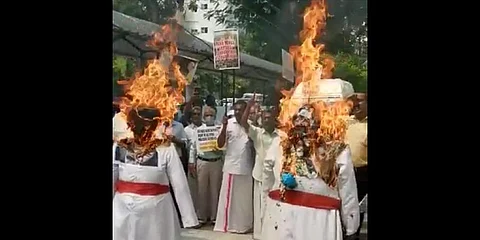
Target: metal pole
(221, 93)
(233, 86)
(221, 85)
(264, 90)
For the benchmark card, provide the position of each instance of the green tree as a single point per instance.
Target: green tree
(156, 11)
(267, 26)
(351, 68)
(270, 25)
(123, 68)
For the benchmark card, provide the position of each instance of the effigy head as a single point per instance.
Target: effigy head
(143, 122)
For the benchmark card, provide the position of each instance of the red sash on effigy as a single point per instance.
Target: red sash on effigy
(306, 199)
(148, 189)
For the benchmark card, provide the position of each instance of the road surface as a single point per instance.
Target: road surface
(207, 233)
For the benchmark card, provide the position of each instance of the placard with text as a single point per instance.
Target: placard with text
(226, 49)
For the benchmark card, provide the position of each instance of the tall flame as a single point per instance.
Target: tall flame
(311, 66)
(153, 88)
(307, 60)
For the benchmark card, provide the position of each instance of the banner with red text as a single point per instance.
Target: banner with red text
(226, 49)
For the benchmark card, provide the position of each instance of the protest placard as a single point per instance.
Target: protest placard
(226, 49)
(207, 138)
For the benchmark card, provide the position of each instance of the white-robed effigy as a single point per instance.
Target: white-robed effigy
(143, 207)
(314, 209)
(284, 220)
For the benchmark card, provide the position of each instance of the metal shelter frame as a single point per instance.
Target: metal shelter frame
(130, 35)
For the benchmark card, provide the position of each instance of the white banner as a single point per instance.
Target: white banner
(188, 67)
(207, 138)
(287, 66)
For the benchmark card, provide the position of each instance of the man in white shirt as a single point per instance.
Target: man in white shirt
(206, 165)
(235, 203)
(191, 132)
(262, 138)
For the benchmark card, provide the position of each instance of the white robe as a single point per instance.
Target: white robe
(284, 221)
(138, 217)
(235, 204)
(258, 209)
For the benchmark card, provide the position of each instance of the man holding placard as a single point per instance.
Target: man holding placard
(206, 164)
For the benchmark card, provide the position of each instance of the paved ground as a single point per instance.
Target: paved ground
(207, 233)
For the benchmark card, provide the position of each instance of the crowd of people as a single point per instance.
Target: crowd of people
(235, 186)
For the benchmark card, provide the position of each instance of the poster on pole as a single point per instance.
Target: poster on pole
(226, 49)
(207, 138)
(287, 66)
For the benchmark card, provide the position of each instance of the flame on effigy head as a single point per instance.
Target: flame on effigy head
(152, 93)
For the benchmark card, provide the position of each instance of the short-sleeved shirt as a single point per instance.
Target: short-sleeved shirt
(238, 159)
(261, 141)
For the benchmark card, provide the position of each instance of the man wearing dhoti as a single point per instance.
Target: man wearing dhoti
(234, 212)
(143, 206)
(206, 162)
(262, 137)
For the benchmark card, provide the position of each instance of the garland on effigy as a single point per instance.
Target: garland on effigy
(312, 144)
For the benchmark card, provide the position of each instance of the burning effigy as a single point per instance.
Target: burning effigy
(151, 98)
(308, 175)
(314, 113)
(146, 162)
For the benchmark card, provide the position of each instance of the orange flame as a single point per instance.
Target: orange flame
(311, 66)
(307, 60)
(153, 88)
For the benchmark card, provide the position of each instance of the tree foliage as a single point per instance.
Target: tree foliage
(123, 68)
(267, 26)
(352, 68)
(270, 25)
(156, 11)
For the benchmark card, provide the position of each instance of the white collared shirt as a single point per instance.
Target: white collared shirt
(191, 132)
(238, 159)
(261, 141)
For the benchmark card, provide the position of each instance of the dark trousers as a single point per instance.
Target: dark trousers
(361, 176)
